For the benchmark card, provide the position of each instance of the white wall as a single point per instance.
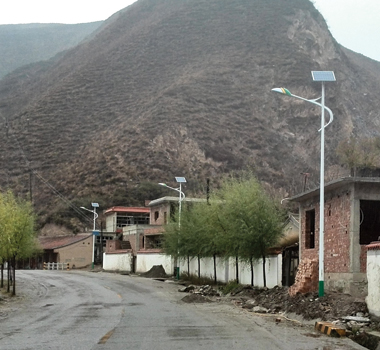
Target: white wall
(373, 277)
(111, 222)
(117, 262)
(226, 270)
(145, 261)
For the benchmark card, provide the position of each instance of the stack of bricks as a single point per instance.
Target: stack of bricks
(306, 278)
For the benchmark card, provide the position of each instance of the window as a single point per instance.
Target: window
(173, 210)
(153, 242)
(165, 217)
(369, 221)
(156, 215)
(310, 229)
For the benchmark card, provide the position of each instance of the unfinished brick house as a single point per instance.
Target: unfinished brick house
(124, 228)
(139, 230)
(119, 217)
(352, 221)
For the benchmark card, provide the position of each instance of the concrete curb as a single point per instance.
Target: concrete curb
(330, 329)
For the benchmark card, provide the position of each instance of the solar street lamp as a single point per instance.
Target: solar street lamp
(179, 180)
(94, 232)
(321, 76)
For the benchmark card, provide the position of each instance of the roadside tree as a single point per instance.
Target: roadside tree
(17, 235)
(241, 221)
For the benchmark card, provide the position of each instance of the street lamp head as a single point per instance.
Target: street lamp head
(162, 184)
(83, 208)
(282, 91)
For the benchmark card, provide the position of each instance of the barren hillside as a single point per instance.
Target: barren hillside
(173, 88)
(22, 44)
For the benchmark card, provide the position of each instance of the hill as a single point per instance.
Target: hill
(22, 44)
(171, 88)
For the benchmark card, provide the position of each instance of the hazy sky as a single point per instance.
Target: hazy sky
(354, 23)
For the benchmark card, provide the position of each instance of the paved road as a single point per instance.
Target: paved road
(69, 310)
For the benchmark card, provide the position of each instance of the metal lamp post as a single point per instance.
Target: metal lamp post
(179, 180)
(322, 76)
(94, 205)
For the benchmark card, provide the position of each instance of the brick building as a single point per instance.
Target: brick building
(352, 220)
(119, 217)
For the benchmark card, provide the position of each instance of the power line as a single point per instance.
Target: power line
(40, 177)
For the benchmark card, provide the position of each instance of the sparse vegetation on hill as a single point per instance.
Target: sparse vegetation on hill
(174, 88)
(22, 44)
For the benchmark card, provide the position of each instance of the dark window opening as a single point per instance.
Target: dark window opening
(310, 229)
(127, 220)
(165, 217)
(369, 221)
(173, 211)
(156, 215)
(153, 242)
(290, 261)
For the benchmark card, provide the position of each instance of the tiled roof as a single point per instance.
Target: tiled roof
(60, 241)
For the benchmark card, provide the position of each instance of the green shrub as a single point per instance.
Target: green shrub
(229, 287)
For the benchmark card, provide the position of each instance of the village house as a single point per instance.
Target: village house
(140, 235)
(74, 250)
(124, 236)
(352, 221)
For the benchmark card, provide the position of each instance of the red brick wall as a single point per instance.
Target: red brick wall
(160, 210)
(306, 278)
(112, 245)
(337, 235)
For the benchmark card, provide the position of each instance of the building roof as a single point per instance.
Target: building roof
(334, 185)
(129, 210)
(60, 241)
(173, 199)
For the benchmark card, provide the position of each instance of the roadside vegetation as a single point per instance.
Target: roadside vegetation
(239, 220)
(17, 235)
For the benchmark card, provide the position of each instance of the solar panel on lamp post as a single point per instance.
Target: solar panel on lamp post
(321, 76)
(179, 180)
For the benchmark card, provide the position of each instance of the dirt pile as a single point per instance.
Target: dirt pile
(198, 294)
(332, 306)
(157, 271)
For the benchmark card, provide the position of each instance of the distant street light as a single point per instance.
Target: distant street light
(322, 76)
(179, 180)
(94, 205)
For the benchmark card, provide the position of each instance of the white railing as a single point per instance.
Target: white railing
(56, 266)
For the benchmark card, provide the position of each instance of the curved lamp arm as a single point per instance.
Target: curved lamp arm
(175, 189)
(91, 211)
(284, 91)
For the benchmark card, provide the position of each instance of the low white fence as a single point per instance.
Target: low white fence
(56, 266)
(225, 269)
